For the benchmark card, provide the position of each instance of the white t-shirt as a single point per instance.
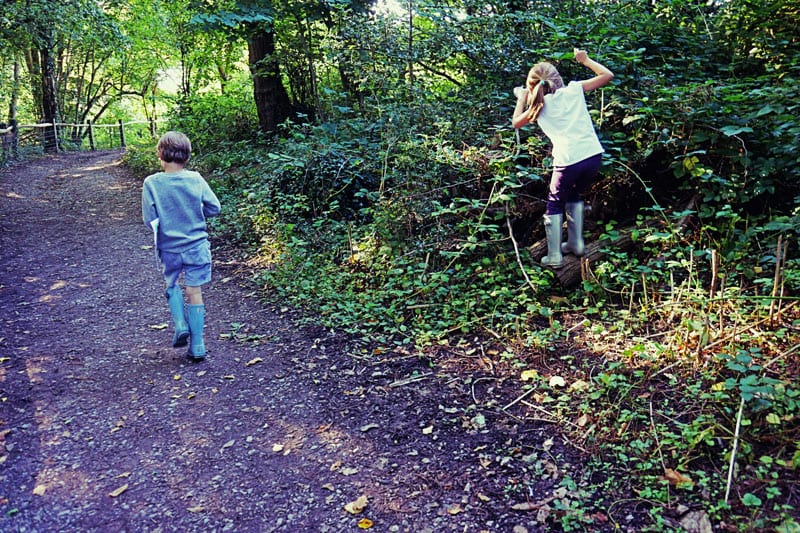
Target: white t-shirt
(566, 122)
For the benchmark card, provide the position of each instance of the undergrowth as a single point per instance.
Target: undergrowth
(677, 360)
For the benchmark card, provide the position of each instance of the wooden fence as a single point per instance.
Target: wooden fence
(19, 140)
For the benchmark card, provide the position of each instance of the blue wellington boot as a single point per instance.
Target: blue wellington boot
(196, 316)
(175, 300)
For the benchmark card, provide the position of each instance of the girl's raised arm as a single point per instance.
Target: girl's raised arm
(603, 74)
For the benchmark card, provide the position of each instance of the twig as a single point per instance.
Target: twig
(655, 436)
(658, 444)
(733, 451)
(780, 254)
(472, 387)
(516, 252)
(748, 327)
(408, 381)
(714, 272)
(790, 351)
(519, 399)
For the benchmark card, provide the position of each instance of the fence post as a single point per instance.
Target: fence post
(121, 134)
(55, 136)
(14, 137)
(91, 135)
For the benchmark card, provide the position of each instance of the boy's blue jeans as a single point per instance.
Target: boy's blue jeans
(195, 263)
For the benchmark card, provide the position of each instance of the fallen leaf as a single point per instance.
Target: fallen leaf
(196, 509)
(277, 448)
(366, 428)
(118, 491)
(697, 522)
(158, 326)
(329, 486)
(254, 361)
(582, 420)
(483, 497)
(228, 444)
(454, 509)
(525, 506)
(479, 421)
(4, 434)
(676, 478)
(579, 386)
(348, 471)
(357, 506)
(364, 523)
(124, 475)
(39, 490)
(528, 375)
(532, 506)
(427, 431)
(557, 381)
(176, 377)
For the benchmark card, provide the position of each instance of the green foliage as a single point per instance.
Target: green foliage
(208, 118)
(400, 216)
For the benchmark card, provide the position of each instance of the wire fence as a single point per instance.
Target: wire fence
(23, 141)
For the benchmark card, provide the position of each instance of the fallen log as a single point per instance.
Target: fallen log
(572, 271)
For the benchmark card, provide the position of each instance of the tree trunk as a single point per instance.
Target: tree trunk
(14, 103)
(33, 61)
(272, 100)
(49, 99)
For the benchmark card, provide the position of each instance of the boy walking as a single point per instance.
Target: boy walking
(176, 204)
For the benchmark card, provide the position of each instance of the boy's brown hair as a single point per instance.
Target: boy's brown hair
(174, 147)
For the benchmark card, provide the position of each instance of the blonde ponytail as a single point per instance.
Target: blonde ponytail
(543, 79)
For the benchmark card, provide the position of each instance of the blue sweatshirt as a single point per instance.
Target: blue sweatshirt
(181, 201)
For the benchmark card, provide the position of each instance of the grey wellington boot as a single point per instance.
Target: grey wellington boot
(552, 228)
(175, 300)
(196, 315)
(574, 244)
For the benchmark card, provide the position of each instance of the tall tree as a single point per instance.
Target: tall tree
(254, 20)
(30, 27)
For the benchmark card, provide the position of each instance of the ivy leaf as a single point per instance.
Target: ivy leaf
(730, 131)
(751, 500)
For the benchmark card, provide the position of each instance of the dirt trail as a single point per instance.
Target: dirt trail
(105, 427)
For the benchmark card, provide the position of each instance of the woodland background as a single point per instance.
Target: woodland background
(370, 175)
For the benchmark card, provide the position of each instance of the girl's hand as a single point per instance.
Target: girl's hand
(580, 55)
(520, 92)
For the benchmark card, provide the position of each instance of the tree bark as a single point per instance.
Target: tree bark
(271, 98)
(49, 98)
(571, 272)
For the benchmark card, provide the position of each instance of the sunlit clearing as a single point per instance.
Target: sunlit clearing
(390, 8)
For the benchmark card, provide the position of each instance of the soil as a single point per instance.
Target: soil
(105, 427)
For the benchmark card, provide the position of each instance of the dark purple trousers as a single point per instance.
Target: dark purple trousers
(567, 183)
